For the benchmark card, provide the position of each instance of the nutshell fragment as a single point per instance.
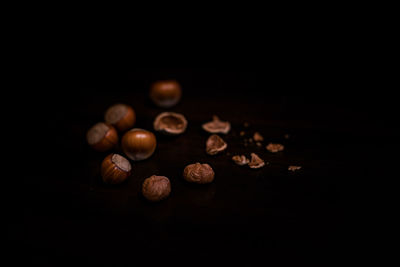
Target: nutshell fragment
(240, 160)
(217, 126)
(258, 137)
(170, 123)
(294, 168)
(274, 148)
(215, 144)
(256, 162)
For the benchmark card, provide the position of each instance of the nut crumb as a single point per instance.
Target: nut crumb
(294, 168)
(251, 140)
(240, 160)
(286, 136)
(246, 124)
(256, 162)
(274, 148)
(259, 144)
(258, 137)
(242, 133)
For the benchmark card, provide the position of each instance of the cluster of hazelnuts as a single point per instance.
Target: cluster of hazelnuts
(139, 144)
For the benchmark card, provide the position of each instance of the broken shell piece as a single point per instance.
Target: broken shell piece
(170, 123)
(215, 144)
(258, 137)
(294, 168)
(256, 162)
(217, 126)
(240, 160)
(271, 147)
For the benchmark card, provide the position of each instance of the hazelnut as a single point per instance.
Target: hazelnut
(240, 160)
(138, 144)
(256, 162)
(165, 94)
(102, 137)
(217, 126)
(170, 123)
(274, 148)
(156, 188)
(258, 137)
(115, 169)
(198, 173)
(215, 144)
(121, 116)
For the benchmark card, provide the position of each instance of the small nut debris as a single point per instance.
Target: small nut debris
(256, 162)
(198, 173)
(258, 137)
(240, 160)
(246, 124)
(286, 136)
(242, 133)
(250, 140)
(272, 147)
(217, 126)
(170, 123)
(294, 168)
(259, 144)
(215, 144)
(156, 188)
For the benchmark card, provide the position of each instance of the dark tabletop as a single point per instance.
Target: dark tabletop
(69, 214)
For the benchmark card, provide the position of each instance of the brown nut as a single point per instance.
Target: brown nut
(115, 169)
(215, 144)
(274, 148)
(165, 94)
(170, 123)
(121, 116)
(102, 137)
(138, 144)
(240, 160)
(217, 126)
(256, 162)
(198, 173)
(156, 188)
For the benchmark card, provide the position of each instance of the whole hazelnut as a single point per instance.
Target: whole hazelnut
(139, 144)
(115, 169)
(198, 173)
(170, 123)
(121, 116)
(102, 137)
(156, 188)
(166, 93)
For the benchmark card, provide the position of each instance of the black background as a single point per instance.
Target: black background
(340, 131)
